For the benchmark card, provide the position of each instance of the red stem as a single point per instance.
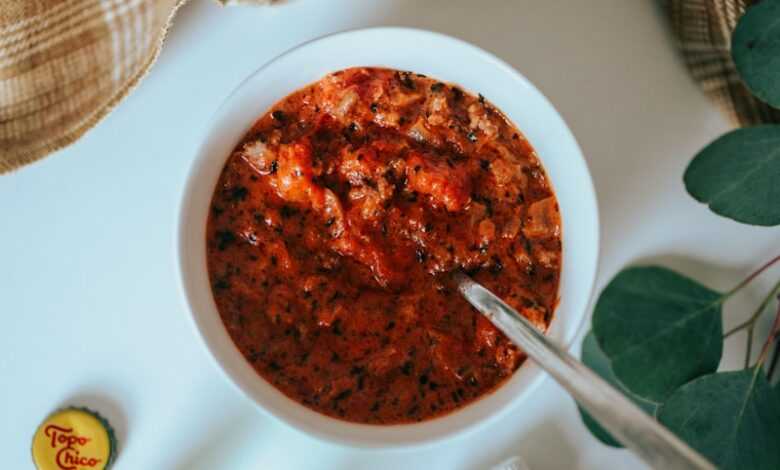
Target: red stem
(753, 275)
(773, 363)
(775, 329)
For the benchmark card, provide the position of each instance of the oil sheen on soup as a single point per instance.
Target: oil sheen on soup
(335, 228)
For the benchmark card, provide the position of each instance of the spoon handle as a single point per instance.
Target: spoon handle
(652, 442)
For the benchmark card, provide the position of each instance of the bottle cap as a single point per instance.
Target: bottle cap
(74, 439)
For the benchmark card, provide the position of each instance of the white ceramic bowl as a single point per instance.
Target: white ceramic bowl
(446, 59)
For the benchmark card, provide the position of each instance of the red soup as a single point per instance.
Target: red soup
(336, 225)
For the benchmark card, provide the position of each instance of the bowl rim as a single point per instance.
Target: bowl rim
(353, 438)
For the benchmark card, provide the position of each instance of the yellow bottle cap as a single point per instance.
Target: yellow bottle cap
(73, 439)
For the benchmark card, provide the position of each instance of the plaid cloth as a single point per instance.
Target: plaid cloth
(65, 64)
(703, 28)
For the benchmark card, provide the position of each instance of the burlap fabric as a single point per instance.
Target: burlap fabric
(704, 28)
(64, 64)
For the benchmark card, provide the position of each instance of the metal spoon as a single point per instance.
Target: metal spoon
(652, 442)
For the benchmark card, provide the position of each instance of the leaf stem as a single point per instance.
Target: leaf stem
(773, 362)
(752, 276)
(752, 320)
(770, 337)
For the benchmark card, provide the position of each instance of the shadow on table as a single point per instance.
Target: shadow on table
(536, 448)
(714, 276)
(219, 444)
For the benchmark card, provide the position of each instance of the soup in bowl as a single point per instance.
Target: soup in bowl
(332, 201)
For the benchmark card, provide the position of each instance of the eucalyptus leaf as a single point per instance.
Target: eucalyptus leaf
(732, 418)
(659, 330)
(755, 48)
(738, 175)
(594, 357)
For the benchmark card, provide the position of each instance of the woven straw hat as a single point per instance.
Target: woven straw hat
(65, 64)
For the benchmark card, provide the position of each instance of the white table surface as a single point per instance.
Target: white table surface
(90, 309)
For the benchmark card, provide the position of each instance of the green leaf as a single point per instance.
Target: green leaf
(732, 418)
(738, 175)
(594, 357)
(659, 329)
(755, 48)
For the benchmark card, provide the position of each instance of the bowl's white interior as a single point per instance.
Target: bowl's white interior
(446, 59)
